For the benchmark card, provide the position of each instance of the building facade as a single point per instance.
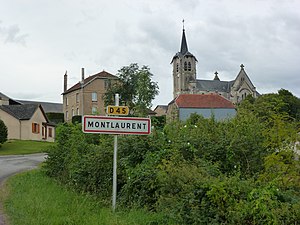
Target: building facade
(86, 96)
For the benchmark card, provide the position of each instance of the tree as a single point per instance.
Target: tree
(3, 132)
(135, 87)
(292, 103)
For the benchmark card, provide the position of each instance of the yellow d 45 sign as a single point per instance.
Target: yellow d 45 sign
(117, 110)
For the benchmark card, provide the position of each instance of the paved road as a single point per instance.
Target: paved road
(10, 165)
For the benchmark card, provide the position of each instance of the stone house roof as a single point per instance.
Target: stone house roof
(89, 79)
(47, 106)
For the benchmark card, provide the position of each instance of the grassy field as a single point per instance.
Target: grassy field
(32, 198)
(20, 147)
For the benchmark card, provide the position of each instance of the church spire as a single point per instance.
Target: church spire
(184, 47)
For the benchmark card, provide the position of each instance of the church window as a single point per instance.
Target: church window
(185, 66)
(177, 67)
(189, 66)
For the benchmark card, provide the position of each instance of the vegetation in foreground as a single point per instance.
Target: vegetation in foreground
(202, 171)
(35, 199)
(19, 147)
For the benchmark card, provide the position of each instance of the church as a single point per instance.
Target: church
(185, 78)
(206, 97)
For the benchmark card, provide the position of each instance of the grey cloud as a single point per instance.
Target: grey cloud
(12, 34)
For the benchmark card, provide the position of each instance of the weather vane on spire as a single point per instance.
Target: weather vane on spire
(183, 23)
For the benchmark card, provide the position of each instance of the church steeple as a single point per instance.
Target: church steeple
(184, 69)
(184, 47)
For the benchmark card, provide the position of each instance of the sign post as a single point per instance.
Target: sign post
(114, 194)
(116, 125)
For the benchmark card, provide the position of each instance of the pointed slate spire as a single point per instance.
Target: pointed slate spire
(184, 47)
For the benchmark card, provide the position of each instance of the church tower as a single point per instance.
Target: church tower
(184, 69)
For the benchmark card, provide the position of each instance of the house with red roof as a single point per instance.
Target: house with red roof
(207, 105)
(86, 96)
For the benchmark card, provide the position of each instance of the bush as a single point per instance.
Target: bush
(55, 117)
(77, 119)
(3, 132)
(199, 172)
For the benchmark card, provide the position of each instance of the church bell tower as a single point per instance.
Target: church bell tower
(184, 69)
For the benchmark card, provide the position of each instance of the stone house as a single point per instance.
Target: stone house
(86, 96)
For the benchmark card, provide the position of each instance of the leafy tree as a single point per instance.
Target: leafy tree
(292, 103)
(278, 113)
(135, 87)
(3, 132)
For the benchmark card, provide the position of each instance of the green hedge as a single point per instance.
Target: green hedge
(55, 117)
(198, 172)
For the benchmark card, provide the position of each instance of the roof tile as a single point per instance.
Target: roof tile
(203, 101)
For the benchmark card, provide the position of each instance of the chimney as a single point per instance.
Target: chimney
(82, 75)
(65, 81)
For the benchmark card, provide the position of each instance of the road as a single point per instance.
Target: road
(10, 165)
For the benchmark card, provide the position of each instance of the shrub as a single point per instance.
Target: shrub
(3, 132)
(55, 117)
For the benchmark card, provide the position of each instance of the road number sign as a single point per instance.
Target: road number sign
(116, 125)
(117, 110)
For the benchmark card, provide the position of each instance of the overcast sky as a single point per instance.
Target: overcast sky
(40, 40)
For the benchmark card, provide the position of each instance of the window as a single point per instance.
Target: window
(94, 110)
(77, 97)
(50, 132)
(73, 112)
(67, 101)
(77, 111)
(189, 66)
(107, 83)
(67, 115)
(177, 67)
(185, 66)
(35, 128)
(94, 96)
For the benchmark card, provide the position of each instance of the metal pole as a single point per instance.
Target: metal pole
(114, 195)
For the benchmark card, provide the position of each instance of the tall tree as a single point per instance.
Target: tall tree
(135, 87)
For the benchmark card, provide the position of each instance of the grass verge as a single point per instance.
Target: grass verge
(34, 199)
(20, 147)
